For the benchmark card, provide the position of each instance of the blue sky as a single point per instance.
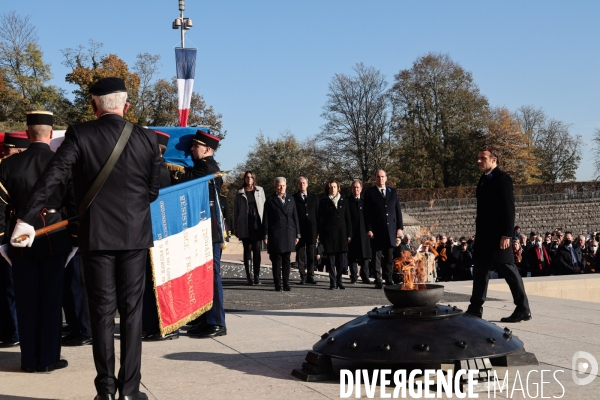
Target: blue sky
(266, 65)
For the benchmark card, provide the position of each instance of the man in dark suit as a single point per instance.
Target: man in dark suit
(211, 323)
(494, 230)
(37, 271)
(384, 226)
(282, 232)
(359, 249)
(307, 206)
(568, 257)
(115, 232)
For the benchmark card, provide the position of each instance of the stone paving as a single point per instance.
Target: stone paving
(263, 346)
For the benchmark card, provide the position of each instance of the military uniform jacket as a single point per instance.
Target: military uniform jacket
(307, 216)
(119, 216)
(280, 224)
(383, 216)
(335, 226)
(360, 246)
(495, 218)
(203, 167)
(18, 175)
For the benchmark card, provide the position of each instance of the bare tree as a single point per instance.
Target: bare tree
(146, 66)
(557, 150)
(356, 134)
(596, 152)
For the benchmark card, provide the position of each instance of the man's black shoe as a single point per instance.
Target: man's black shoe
(473, 314)
(28, 369)
(332, 287)
(517, 317)
(301, 282)
(368, 281)
(341, 286)
(278, 289)
(311, 280)
(287, 288)
(352, 281)
(9, 343)
(79, 340)
(197, 328)
(59, 365)
(137, 396)
(388, 283)
(257, 280)
(378, 285)
(249, 281)
(211, 331)
(156, 337)
(105, 397)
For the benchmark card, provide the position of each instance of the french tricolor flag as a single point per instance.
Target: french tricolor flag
(185, 60)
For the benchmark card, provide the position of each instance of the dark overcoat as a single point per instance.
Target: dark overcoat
(383, 216)
(360, 246)
(307, 216)
(119, 216)
(334, 226)
(280, 224)
(18, 174)
(495, 218)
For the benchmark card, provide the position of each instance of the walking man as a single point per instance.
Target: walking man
(494, 230)
(307, 206)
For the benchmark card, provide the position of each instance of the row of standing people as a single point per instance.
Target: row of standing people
(352, 230)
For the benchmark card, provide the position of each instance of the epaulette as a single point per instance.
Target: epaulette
(175, 170)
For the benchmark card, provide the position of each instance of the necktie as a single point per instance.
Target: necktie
(357, 199)
(383, 192)
(304, 197)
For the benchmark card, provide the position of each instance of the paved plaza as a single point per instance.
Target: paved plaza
(269, 334)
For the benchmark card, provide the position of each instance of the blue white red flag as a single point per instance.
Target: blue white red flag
(185, 60)
(182, 256)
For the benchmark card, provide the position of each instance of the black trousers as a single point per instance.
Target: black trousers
(8, 309)
(115, 280)
(281, 266)
(150, 322)
(75, 299)
(383, 259)
(355, 263)
(252, 252)
(305, 255)
(338, 263)
(38, 288)
(481, 277)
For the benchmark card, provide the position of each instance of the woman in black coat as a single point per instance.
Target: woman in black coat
(335, 232)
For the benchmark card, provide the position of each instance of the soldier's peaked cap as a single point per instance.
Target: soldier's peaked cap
(36, 117)
(206, 139)
(17, 140)
(107, 86)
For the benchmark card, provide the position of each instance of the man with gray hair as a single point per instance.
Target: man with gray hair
(115, 230)
(307, 205)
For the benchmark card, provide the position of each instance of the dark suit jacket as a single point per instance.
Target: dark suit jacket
(119, 216)
(383, 216)
(165, 175)
(18, 174)
(307, 216)
(203, 167)
(280, 224)
(335, 226)
(360, 246)
(564, 261)
(495, 218)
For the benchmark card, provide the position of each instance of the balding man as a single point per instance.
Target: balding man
(38, 269)
(383, 219)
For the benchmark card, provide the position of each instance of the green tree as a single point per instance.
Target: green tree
(438, 117)
(357, 127)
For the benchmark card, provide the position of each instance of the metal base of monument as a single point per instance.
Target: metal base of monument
(415, 333)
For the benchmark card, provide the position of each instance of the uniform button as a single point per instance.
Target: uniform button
(387, 214)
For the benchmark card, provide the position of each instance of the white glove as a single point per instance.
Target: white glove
(22, 228)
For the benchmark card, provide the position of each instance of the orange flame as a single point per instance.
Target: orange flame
(412, 269)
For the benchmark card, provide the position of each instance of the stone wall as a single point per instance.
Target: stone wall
(580, 217)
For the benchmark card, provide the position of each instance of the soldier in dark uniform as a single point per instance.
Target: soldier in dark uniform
(307, 206)
(150, 321)
(211, 323)
(115, 231)
(9, 333)
(359, 249)
(38, 269)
